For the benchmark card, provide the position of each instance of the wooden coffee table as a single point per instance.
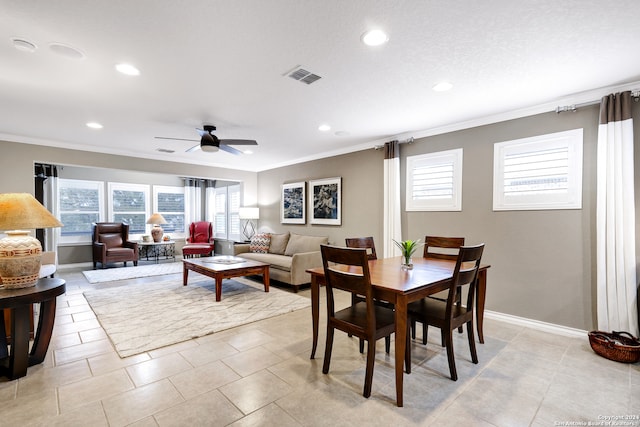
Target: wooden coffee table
(225, 267)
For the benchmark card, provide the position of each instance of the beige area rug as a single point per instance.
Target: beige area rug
(144, 317)
(123, 273)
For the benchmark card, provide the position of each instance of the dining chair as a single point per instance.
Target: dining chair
(368, 244)
(347, 269)
(448, 315)
(437, 247)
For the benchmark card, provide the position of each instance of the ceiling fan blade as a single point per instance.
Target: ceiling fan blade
(177, 139)
(230, 149)
(238, 142)
(194, 148)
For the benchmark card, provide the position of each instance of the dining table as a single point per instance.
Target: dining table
(390, 282)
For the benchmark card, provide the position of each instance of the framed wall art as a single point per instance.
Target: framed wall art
(325, 201)
(292, 209)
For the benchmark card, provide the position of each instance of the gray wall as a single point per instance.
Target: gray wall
(542, 262)
(16, 176)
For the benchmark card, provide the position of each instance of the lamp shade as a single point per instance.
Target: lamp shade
(22, 210)
(156, 218)
(20, 253)
(249, 213)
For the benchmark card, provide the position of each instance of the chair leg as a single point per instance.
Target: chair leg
(413, 329)
(361, 346)
(472, 342)
(407, 354)
(387, 343)
(443, 337)
(368, 377)
(424, 333)
(451, 357)
(327, 351)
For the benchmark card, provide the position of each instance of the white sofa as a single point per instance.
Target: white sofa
(288, 255)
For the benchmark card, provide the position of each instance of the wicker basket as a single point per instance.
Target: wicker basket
(618, 346)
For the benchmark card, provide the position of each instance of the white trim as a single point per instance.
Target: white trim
(449, 158)
(536, 324)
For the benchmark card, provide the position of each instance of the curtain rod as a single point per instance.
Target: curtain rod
(635, 94)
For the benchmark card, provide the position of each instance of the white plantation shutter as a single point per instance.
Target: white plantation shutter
(543, 172)
(434, 181)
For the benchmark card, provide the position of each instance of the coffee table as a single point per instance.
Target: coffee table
(225, 267)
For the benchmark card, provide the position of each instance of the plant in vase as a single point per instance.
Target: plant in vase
(407, 248)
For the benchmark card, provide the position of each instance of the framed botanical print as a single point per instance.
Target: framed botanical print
(292, 210)
(325, 201)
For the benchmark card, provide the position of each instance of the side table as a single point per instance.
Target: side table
(165, 248)
(19, 301)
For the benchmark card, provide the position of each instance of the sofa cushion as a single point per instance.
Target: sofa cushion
(260, 243)
(278, 243)
(280, 262)
(299, 244)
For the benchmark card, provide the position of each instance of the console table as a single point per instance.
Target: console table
(19, 301)
(155, 250)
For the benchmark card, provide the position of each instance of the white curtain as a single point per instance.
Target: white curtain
(52, 235)
(192, 202)
(392, 221)
(615, 217)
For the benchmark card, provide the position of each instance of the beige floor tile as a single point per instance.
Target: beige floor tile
(255, 391)
(22, 410)
(62, 341)
(82, 351)
(93, 335)
(209, 409)
(91, 414)
(252, 360)
(155, 369)
(108, 362)
(208, 352)
(175, 348)
(40, 377)
(269, 416)
(249, 339)
(203, 379)
(93, 389)
(141, 402)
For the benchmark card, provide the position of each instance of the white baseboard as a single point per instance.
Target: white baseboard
(536, 324)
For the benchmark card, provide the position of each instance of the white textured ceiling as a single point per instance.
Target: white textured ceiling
(222, 62)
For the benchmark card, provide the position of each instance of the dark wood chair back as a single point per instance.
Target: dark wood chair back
(347, 269)
(363, 243)
(442, 247)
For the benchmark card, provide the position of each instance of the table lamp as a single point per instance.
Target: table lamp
(20, 252)
(156, 232)
(249, 214)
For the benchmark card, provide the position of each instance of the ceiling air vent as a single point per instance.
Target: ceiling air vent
(165, 150)
(304, 76)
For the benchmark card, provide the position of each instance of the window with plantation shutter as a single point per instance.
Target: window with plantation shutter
(434, 181)
(169, 201)
(542, 172)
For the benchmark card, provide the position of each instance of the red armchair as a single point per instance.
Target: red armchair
(200, 240)
(111, 244)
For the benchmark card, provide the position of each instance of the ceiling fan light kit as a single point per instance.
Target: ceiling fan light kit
(209, 143)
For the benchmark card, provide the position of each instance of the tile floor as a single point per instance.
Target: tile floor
(260, 375)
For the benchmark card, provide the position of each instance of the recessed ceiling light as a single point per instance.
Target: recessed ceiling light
(66, 50)
(324, 128)
(374, 38)
(342, 133)
(128, 69)
(94, 125)
(248, 152)
(442, 86)
(24, 45)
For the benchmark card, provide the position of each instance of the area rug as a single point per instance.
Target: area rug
(123, 273)
(143, 317)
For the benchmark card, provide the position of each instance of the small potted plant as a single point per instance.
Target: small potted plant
(407, 248)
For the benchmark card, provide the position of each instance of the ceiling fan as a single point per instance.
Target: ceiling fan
(210, 143)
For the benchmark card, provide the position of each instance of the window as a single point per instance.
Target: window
(541, 172)
(80, 206)
(434, 181)
(169, 201)
(129, 203)
(226, 207)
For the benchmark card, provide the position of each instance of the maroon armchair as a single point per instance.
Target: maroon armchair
(200, 240)
(111, 244)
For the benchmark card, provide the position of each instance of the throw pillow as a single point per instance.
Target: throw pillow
(300, 244)
(260, 243)
(279, 243)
